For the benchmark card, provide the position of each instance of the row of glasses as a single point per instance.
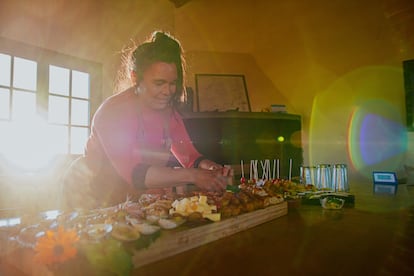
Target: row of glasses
(326, 177)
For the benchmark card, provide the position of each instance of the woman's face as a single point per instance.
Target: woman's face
(158, 85)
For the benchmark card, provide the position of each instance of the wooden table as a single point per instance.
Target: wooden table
(306, 241)
(170, 243)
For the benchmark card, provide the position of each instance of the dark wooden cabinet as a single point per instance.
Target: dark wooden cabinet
(228, 137)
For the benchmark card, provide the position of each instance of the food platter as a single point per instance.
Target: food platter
(180, 240)
(29, 235)
(152, 227)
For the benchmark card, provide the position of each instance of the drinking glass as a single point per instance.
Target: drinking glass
(323, 177)
(340, 178)
(308, 175)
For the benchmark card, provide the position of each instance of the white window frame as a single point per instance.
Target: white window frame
(44, 59)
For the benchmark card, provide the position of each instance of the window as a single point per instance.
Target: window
(69, 107)
(17, 88)
(46, 101)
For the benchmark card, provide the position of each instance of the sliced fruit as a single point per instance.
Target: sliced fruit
(171, 223)
(125, 232)
(147, 229)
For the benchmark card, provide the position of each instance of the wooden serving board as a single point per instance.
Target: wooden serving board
(173, 242)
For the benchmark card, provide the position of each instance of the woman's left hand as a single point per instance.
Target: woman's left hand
(211, 165)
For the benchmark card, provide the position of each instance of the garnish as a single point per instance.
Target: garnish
(233, 188)
(108, 256)
(56, 247)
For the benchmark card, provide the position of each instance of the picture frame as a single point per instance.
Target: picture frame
(221, 92)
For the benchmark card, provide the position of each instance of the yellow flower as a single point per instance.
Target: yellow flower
(56, 247)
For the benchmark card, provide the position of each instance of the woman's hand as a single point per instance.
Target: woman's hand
(213, 176)
(211, 180)
(211, 165)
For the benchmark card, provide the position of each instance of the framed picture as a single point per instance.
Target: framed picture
(217, 92)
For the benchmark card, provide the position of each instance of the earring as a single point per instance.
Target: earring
(137, 90)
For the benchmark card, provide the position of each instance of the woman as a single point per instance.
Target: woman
(138, 136)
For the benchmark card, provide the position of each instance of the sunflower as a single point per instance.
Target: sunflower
(56, 247)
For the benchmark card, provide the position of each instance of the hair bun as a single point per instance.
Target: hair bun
(166, 41)
(159, 36)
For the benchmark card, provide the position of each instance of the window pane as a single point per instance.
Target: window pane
(58, 80)
(24, 105)
(80, 84)
(4, 103)
(60, 136)
(5, 69)
(25, 74)
(80, 112)
(58, 110)
(79, 135)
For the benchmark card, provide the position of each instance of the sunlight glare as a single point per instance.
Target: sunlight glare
(26, 144)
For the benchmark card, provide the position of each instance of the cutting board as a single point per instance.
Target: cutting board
(176, 241)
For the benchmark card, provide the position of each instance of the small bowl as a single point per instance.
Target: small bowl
(332, 203)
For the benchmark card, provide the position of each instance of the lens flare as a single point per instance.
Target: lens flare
(358, 120)
(377, 140)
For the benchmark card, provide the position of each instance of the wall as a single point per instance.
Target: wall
(92, 30)
(338, 64)
(259, 87)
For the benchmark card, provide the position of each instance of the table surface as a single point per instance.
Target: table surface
(363, 240)
(308, 241)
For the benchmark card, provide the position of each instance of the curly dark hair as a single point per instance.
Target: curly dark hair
(160, 47)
